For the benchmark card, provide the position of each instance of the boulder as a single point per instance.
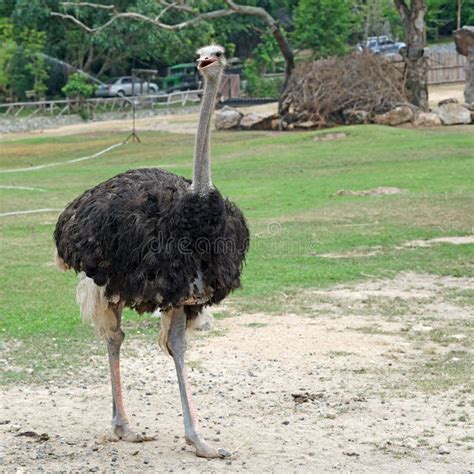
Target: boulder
(308, 124)
(427, 119)
(228, 118)
(258, 121)
(450, 100)
(397, 116)
(454, 114)
(355, 117)
(470, 107)
(464, 40)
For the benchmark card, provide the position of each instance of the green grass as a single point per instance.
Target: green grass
(284, 183)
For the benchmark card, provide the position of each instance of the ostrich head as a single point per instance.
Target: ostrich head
(211, 61)
(211, 64)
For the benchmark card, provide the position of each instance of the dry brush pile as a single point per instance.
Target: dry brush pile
(331, 91)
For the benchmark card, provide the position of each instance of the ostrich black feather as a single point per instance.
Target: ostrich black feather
(153, 243)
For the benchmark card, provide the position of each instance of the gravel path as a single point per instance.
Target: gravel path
(339, 386)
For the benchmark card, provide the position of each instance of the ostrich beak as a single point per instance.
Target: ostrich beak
(206, 62)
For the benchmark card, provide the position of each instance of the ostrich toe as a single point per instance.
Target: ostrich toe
(205, 450)
(124, 433)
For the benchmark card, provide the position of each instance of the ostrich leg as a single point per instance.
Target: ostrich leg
(120, 426)
(177, 346)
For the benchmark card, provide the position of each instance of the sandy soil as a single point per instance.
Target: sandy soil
(446, 91)
(179, 123)
(377, 250)
(353, 362)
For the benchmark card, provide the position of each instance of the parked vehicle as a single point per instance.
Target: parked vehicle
(180, 78)
(381, 45)
(125, 85)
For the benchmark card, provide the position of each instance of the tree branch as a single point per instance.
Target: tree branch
(402, 8)
(233, 8)
(87, 4)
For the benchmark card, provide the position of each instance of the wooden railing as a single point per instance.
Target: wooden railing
(60, 107)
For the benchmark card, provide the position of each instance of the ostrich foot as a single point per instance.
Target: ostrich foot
(205, 450)
(124, 433)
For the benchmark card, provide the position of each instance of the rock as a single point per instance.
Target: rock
(464, 39)
(450, 100)
(257, 121)
(306, 125)
(228, 118)
(351, 453)
(453, 114)
(427, 119)
(355, 117)
(397, 116)
(443, 450)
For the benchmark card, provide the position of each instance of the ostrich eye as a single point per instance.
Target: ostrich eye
(218, 54)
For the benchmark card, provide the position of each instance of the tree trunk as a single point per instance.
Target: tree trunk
(459, 14)
(413, 18)
(287, 52)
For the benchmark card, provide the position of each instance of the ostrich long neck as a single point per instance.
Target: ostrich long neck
(202, 160)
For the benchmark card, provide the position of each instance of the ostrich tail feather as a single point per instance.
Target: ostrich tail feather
(95, 307)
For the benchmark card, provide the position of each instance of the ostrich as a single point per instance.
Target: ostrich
(149, 239)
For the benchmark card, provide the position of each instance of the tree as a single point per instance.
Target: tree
(8, 49)
(413, 19)
(263, 61)
(324, 26)
(33, 45)
(176, 16)
(22, 65)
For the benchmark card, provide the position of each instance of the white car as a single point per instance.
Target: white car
(120, 86)
(381, 45)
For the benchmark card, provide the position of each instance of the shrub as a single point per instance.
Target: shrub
(78, 87)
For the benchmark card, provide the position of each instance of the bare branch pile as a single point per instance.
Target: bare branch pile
(325, 92)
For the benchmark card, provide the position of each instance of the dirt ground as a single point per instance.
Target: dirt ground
(446, 91)
(356, 378)
(178, 123)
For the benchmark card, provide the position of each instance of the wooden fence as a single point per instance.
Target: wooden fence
(60, 107)
(445, 67)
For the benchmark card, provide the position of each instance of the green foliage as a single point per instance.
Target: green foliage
(266, 59)
(8, 49)
(22, 65)
(78, 87)
(441, 17)
(324, 26)
(33, 45)
(377, 17)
